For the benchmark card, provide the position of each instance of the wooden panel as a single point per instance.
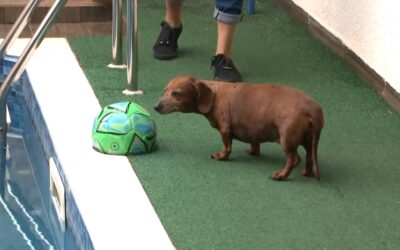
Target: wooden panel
(5, 28)
(99, 28)
(64, 29)
(10, 15)
(95, 14)
(2, 15)
(38, 15)
(52, 32)
(69, 15)
(48, 3)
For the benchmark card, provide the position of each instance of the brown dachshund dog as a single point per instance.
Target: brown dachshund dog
(252, 113)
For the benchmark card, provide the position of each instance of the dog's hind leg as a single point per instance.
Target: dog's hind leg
(291, 161)
(307, 171)
(310, 144)
(290, 139)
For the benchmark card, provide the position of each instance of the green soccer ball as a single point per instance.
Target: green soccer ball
(124, 128)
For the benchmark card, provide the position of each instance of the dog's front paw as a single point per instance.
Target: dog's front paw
(220, 156)
(277, 176)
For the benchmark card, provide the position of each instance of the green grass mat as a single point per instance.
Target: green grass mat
(205, 204)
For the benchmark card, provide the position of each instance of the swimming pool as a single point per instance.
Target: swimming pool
(28, 218)
(103, 201)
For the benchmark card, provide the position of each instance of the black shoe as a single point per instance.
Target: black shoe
(166, 46)
(224, 69)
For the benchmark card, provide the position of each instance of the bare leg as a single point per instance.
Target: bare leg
(225, 38)
(227, 140)
(173, 14)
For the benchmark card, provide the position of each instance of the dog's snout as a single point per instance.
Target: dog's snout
(158, 107)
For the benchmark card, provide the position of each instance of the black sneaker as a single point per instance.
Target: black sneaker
(166, 46)
(224, 69)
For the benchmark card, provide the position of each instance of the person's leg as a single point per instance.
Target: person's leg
(225, 38)
(227, 13)
(166, 45)
(173, 13)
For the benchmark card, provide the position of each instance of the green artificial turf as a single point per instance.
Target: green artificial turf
(206, 204)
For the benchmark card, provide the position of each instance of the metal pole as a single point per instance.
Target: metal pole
(17, 28)
(117, 35)
(132, 50)
(3, 144)
(17, 70)
(251, 7)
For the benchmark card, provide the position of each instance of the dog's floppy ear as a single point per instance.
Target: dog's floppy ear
(205, 97)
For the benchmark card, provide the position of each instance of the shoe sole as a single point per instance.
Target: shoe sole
(165, 57)
(226, 80)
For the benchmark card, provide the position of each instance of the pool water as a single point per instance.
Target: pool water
(27, 216)
(22, 212)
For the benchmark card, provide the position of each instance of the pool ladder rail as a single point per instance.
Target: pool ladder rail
(20, 65)
(132, 87)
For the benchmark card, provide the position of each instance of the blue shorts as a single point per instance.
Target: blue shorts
(226, 11)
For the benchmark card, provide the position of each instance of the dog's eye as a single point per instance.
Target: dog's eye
(176, 93)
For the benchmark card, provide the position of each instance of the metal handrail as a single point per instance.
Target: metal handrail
(20, 65)
(132, 87)
(132, 50)
(17, 28)
(117, 35)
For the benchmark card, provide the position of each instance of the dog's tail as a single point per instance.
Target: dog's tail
(317, 123)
